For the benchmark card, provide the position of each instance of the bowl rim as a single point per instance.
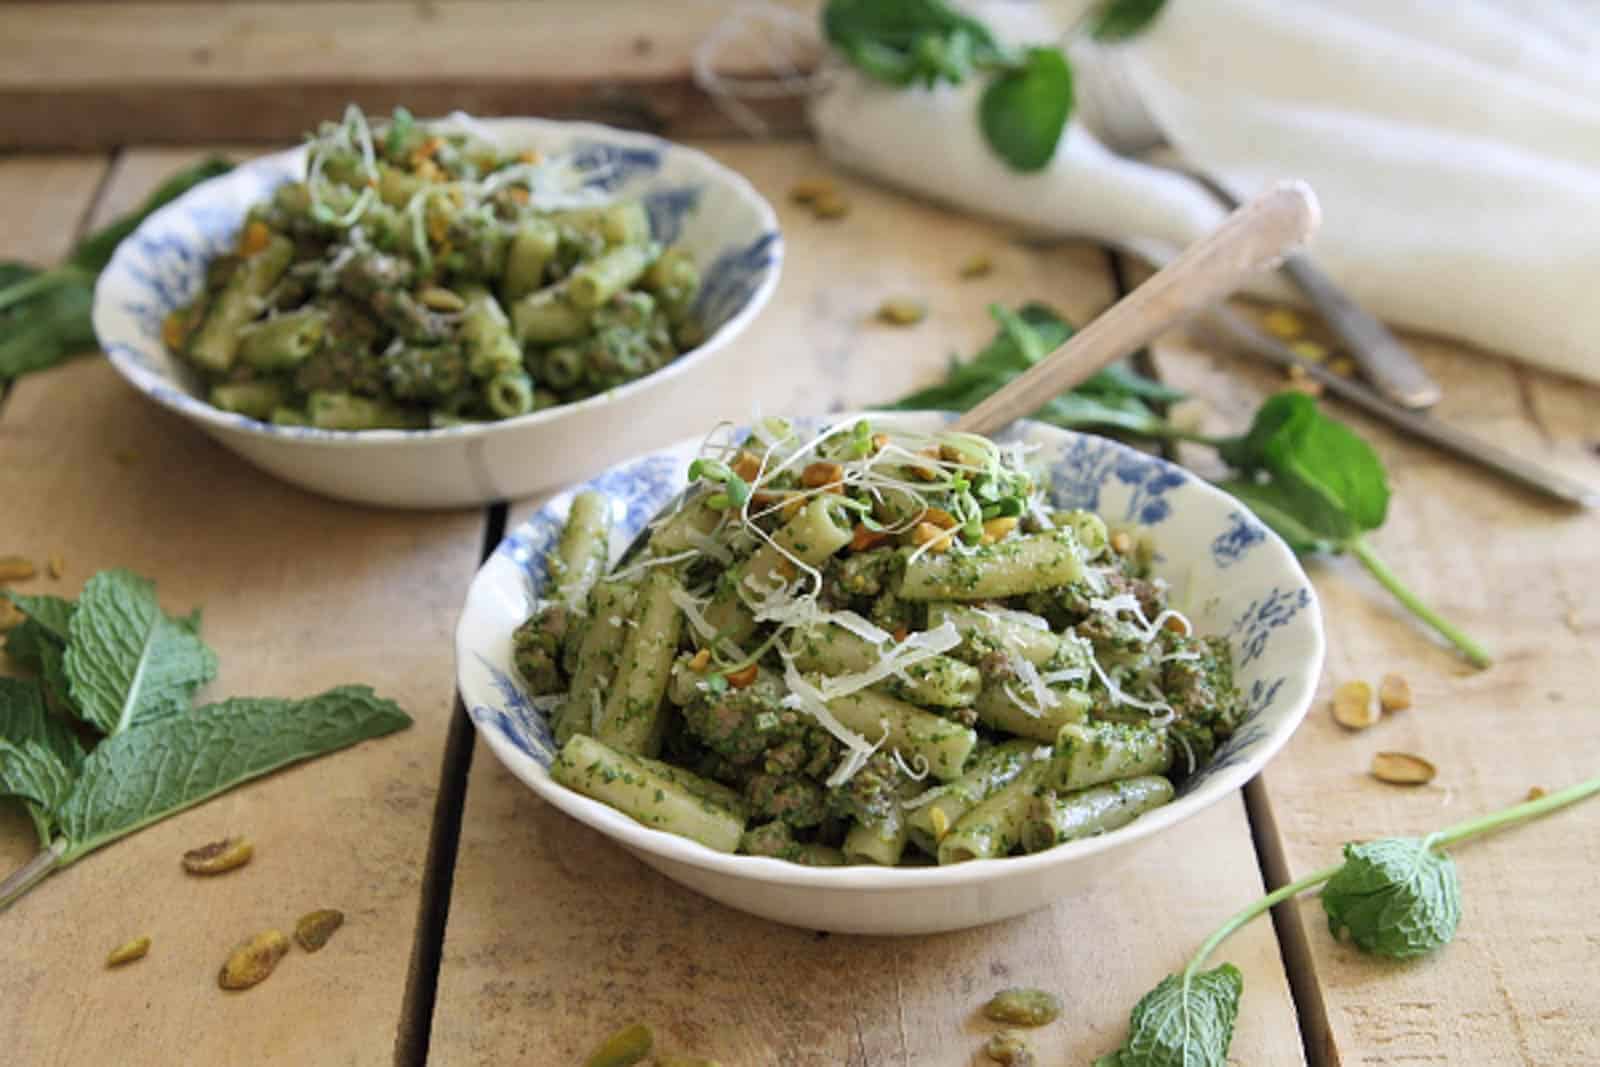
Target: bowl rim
(672, 848)
(174, 396)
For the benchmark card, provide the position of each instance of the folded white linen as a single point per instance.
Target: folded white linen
(1454, 145)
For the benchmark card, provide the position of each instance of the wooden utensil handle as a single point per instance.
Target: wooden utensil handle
(1253, 238)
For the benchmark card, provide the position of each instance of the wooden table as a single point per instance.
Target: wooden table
(487, 928)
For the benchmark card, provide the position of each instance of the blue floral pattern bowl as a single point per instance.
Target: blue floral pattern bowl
(1227, 572)
(693, 200)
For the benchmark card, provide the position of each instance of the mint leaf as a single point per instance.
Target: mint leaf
(127, 662)
(144, 774)
(52, 613)
(24, 717)
(1118, 20)
(39, 756)
(1331, 479)
(1273, 506)
(906, 42)
(1396, 897)
(1186, 1021)
(1023, 111)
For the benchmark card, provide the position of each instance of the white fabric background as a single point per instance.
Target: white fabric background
(1454, 144)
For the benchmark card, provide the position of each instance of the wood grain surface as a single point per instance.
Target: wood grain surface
(555, 936)
(88, 75)
(300, 594)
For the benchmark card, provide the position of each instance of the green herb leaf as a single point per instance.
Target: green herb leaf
(1333, 478)
(24, 717)
(144, 774)
(53, 613)
(39, 756)
(127, 662)
(1396, 897)
(1024, 111)
(1186, 1021)
(905, 42)
(48, 328)
(1275, 506)
(94, 251)
(1118, 20)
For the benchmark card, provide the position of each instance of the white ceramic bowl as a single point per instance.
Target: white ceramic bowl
(1227, 571)
(693, 200)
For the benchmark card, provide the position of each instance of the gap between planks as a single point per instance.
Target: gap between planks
(1299, 965)
(415, 1031)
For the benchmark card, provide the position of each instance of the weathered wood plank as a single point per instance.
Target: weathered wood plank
(1515, 572)
(99, 74)
(300, 594)
(556, 936)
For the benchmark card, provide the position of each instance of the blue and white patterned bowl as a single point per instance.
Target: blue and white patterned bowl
(1227, 572)
(693, 200)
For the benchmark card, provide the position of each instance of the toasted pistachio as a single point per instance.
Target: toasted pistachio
(316, 927)
(1402, 768)
(441, 299)
(810, 190)
(1536, 792)
(1302, 382)
(976, 266)
(1010, 1047)
(219, 857)
(1394, 693)
(253, 960)
(1353, 707)
(55, 565)
(1023, 1007)
(11, 616)
(1343, 366)
(1283, 324)
(136, 949)
(16, 569)
(623, 1048)
(902, 311)
(830, 206)
(1122, 542)
(1310, 351)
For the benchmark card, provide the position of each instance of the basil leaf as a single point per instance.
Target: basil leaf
(1023, 112)
(1185, 1023)
(1118, 20)
(127, 662)
(1395, 897)
(47, 329)
(154, 770)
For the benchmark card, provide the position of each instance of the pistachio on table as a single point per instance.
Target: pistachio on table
(253, 961)
(129, 951)
(219, 857)
(316, 928)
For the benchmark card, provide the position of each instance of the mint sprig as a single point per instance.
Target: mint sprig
(129, 671)
(1024, 109)
(1398, 898)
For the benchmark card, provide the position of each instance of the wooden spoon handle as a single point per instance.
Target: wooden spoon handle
(1253, 238)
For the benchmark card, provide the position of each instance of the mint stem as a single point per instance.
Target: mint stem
(1459, 832)
(1277, 896)
(1530, 809)
(32, 874)
(1476, 654)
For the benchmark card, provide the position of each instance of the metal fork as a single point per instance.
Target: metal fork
(1110, 105)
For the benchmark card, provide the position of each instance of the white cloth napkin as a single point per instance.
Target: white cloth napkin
(1454, 144)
